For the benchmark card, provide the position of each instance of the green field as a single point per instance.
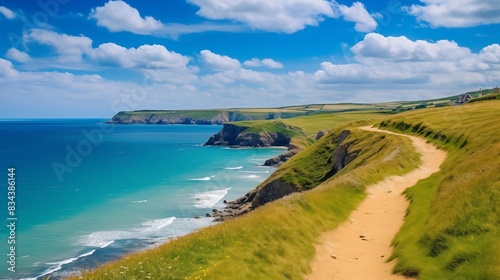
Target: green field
(452, 229)
(288, 112)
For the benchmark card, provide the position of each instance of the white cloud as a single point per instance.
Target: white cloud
(70, 48)
(17, 55)
(401, 48)
(219, 62)
(145, 56)
(393, 62)
(490, 54)
(119, 16)
(453, 13)
(266, 62)
(359, 15)
(286, 16)
(6, 12)
(6, 68)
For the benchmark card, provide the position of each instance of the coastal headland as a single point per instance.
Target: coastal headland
(450, 229)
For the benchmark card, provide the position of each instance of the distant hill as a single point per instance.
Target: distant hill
(222, 116)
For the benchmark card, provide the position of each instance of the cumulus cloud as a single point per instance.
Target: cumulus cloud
(6, 68)
(6, 12)
(17, 55)
(119, 16)
(145, 56)
(397, 60)
(490, 54)
(219, 62)
(401, 48)
(266, 62)
(452, 13)
(364, 22)
(70, 48)
(275, 16)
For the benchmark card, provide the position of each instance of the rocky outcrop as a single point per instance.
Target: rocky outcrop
(262, 139)
(226, 136)
(236, 136)
(321, 133)
(271, 190)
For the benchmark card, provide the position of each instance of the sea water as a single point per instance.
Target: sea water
(88, 192)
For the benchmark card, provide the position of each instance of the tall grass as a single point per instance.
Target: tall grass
(452, 230)
(275, 241)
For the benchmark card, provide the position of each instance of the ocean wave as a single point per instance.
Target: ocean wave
(201, 179)
(210, 198)
(101, 239)
(234, 168)
(253, 176)
(256, 172)
(140, 201)
(56, 266)
(158, 224)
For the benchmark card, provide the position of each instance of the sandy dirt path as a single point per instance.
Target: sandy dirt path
(359, 248)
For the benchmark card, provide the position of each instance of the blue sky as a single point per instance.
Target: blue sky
(68, 58)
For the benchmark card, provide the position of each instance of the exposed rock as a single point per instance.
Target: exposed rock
(235, 135)
(280, 159)
(226, 136)
(321, 133)
(263, 139)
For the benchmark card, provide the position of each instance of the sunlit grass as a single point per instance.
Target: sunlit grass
(452, 230)
(275, 241)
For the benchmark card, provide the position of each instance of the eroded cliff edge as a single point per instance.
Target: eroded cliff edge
(331, 154)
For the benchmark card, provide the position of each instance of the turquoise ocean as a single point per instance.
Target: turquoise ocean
(89, 192)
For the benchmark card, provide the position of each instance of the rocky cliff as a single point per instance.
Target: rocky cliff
(275, 188)
(240, 136)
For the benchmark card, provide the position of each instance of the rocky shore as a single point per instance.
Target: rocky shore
(272, 188)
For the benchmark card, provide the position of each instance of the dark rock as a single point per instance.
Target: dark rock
(197, 217)
(321, 133)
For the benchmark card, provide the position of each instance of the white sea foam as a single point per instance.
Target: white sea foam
(107, 244)
(210, 198)
(256, 172)
(140, 201)
(56, 266)
(100, 239)
(234, 168)
(201, 179)
(158, 224)
(253, 176)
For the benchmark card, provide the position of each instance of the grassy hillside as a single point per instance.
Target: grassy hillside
(288, 112)
(275, 241)
(452, 230)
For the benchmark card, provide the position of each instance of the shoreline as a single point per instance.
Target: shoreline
(89, 257)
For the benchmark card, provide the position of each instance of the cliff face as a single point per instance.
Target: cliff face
(178, 118)
(234, 135)
(273, 189)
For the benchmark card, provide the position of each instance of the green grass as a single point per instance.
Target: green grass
(452, 230)
(275, 241)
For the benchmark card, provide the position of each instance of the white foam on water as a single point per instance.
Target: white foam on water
(253, 176)
(107, 244)
(155, 225)
(201, 179)
(140, 201)
(210, 198)
(234, 168)
(56, 266)
(256, 172)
